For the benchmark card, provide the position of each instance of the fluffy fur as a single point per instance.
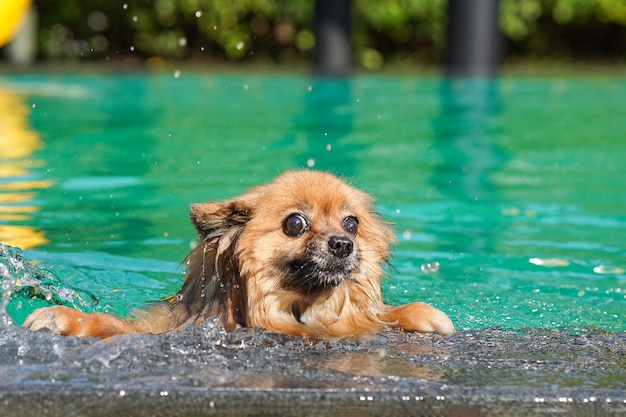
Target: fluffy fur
(301, 255)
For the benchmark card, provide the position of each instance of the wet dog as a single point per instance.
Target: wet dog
(302, 255)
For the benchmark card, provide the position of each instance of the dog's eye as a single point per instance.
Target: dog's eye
(351, 225)
(295, 224)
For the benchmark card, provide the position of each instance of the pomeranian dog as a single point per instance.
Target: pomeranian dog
(302, 255)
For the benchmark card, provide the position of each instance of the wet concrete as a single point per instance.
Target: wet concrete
(203, 370)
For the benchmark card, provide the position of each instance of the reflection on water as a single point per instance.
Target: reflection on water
(324, 125)
(376, 363)
(467, 136)
(467, 139)
(18, 143)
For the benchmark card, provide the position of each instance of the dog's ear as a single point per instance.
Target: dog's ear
(213, 286)
(213, 219)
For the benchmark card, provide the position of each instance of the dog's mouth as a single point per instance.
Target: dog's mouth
(313, 276)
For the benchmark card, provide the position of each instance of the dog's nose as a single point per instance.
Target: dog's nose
(340, 246)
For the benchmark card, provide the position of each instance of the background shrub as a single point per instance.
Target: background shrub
(280, 31)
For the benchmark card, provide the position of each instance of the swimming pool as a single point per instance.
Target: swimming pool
(514, 186)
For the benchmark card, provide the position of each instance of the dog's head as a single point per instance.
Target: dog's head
(297, 238)
(308, 229)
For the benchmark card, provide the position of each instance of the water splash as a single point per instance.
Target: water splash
(26, 287)
(430, 267)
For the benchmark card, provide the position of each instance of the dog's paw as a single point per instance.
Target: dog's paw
(419, 317)
(59, 319)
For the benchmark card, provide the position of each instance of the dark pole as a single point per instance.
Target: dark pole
(333, 52)
(474, 39)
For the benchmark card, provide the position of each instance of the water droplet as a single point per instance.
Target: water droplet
(310, 163)
(34, 105)
(177, 74)
(549, 262)
(198, 13)
(132, 48)
(607, 269)
(182, 41)
(329, 147)
(135, 18)
(124, 6)
(407, 235)
(430, 267)
(239, 46)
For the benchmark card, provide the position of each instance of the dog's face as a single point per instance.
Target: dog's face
(305, 233)
(326, 254)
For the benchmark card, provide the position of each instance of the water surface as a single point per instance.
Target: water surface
(515, 187)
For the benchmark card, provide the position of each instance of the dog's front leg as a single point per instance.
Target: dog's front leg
(67, 321)
(418, 317)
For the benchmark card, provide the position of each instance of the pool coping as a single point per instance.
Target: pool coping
(75, 400)
(473, 373)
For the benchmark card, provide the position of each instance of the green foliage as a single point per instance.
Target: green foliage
(281, 30)
(574, 29)
(521, 19)
(409, 29)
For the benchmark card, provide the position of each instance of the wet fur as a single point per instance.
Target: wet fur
(247, 271)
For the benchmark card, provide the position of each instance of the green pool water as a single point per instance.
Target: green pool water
(515, 187)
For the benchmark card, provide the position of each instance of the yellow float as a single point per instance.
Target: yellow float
(12, 16)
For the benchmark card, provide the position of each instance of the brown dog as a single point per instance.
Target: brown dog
(301, 255)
